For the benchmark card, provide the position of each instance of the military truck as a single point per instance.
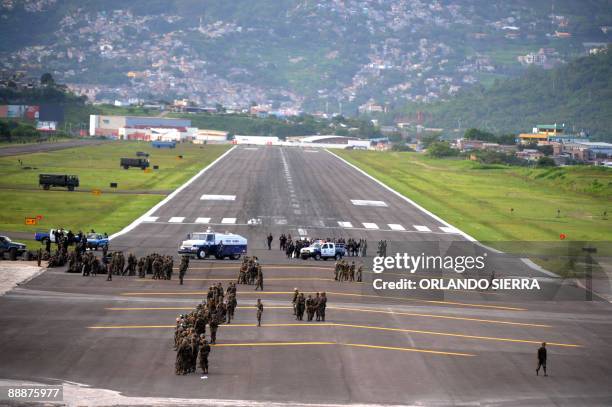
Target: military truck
(141, 163)
(58, 180)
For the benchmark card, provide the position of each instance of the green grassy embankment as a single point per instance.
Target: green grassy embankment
(97, 167)
(511, 208)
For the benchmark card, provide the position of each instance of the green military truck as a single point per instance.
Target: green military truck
(58, 180)
(141, 163)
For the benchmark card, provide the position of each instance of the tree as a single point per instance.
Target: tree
(546, 162)
(429, 139)
(24, 132)
(440, 149)
(477, 134)
(47, 79)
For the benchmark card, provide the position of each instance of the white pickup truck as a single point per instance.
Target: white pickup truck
(323, 250)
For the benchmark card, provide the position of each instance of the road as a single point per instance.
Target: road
(19, 149)
(426, 349)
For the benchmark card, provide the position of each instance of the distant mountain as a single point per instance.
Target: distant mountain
(578, 94)
(332, 55)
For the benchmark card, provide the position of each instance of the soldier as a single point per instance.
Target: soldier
(337, 270)
(309, 308)
(260, 309)
(109, 271)
(360, 273)
(322, 306)
(95, 265)
(121, 264)
(270, 239)
(131, 265)
(352, 271)
(301, 305)
(231, 306)
(541, 359)
(157, 264)
(214, 325)
(204, 352)
(200, 324)
(141, 267)
(296, 294)
(315, 304)
(183, 268)
(259, 283)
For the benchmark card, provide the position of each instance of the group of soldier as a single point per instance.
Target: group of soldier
(250, 272)
(161, 267)
(292, 247)
(313, 306)
(190, 340)
(345, 272)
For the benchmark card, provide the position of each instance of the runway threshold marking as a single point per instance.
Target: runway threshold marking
(462, 304)
(400, 313)
(368, 327)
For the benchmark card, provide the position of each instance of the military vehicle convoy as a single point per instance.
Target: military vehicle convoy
(141, 163)
(58, 180)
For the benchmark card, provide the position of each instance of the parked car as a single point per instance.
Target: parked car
(13, 249)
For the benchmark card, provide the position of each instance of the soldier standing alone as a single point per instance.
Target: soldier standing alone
(260, 309)
(542, 359)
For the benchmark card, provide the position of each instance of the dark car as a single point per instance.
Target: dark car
(13, 249)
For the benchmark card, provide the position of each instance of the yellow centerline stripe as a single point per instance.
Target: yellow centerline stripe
(412, 314)
(359, 345)
(437, 352)
(271, 344)
(377, 328)
(462, 304)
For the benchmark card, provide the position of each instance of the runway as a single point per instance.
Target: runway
(374, 348)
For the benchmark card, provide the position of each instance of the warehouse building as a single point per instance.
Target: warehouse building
(111, 126)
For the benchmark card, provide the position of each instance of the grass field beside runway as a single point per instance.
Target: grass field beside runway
(478, 199)
(96, 166)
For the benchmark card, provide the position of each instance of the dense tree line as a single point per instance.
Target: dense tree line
(577, 94)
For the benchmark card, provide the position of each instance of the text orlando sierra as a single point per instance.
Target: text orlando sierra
(209, 243)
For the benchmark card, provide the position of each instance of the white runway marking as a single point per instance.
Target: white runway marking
(311, 151)
(395, 226)
(280, 221)
(228, 221)
(202, 220)
(251, 148)
(150, 218)
(302, 232)
(318, 223)
(408, 200)
(361, 202)
(447, 229)
(368, 225)
(177, 219)
(422, 228)
(345, 224)
(207, 197)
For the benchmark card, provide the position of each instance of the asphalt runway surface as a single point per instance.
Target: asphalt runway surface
(464, 347)
(19, 149)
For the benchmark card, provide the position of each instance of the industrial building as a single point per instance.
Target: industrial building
(134, 127)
